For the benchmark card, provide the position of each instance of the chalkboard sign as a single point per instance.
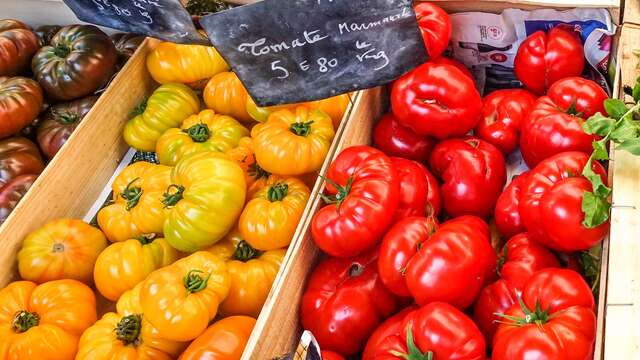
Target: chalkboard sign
(162, 19)
(288, 51)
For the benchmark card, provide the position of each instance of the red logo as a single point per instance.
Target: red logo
(498, 57)
(494, 32)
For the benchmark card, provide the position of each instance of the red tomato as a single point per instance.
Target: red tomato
(435, 27)
(453, 265)
(543, 59)
(503, 113)
(449, 61)
(399, 246)
(396, 140)
(473, 173)
(507, 214)
(551, 203)
(419, 190)
(435, 331)
(556, 321)
(391, 326)
(330, 355)
(345, 301)
(365, 202)
(437, 100)
(494, 298)
(555, 123)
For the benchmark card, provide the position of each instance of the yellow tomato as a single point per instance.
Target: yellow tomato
(252, 273)
(293, 142)
(61, 249)
(270, 219)
(224, 340)
(179, 300)
(122, 265)
(226, 95)
(205, 131)
(137, 209)
(170, 62)
(334, 106)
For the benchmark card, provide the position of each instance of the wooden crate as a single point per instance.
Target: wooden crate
(631, 14)
(278, 330)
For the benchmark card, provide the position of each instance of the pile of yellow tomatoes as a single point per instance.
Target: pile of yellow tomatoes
(187, 248)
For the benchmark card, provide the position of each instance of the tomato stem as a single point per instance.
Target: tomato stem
(139, 109)
(245, 252)
(171, 199)
(537, 316)
(413, 352)
(355, 270)
(342, 191)
(194, 282)
(573, 109)
(65, 118)
(146, 239)
(501, 260)
(61, 50)
(24, 320)
(256, 172)
(128, 329)
(131, 194)
(57, 247)
(198, 132)
(301, 128)
(277, 192)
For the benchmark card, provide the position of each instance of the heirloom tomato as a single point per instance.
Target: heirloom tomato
(434, 331)
(124, 264)
(255, 176)
(435, 27)
(503, 113)
(60, 121)
(205, 131)
(204, 200)
(438, 100)
(45, 33)
(456, 63)
(271, 217)
(18, 156)
(20, 103)
(178, 63)
(542, 59)
(345, 301)
(494, 299)
(453, 265)
(126, 44)
(330, 355)
(293, 142)
(179, 300)
(473, 173)
(507, 212)
(390, 327)
(419, 190)
(396, 140)
(334, 106)
(551, 203)
(555, 123)
(252, 273)
(61, 249)
(12, 192)
(45, 321)
(167, 107)
(137, 207)
(79, 61)
(17, 45)
(399, 246)
(554, 319)
(365, 188)
(226, 95)
(225, 339)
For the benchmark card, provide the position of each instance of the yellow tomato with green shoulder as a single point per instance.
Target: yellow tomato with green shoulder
(61, 249)
(226, 95)
(179, 63)
(122, 265)
(293, 142)
(203, 201)
(270, 218)
(205, 131)
(179, 300)
(166, 108)
(252, 273)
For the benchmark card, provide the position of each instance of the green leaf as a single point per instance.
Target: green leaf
(615, 108)
(631, 145)
(596, 210)
(600, 150)
(598, 124)
(625, 130)
(636, 90)
(598, 185)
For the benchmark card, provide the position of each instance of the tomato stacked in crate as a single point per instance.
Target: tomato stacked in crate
(431, 251)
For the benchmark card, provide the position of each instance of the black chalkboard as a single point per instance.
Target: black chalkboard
(287, 51)
(162, 19)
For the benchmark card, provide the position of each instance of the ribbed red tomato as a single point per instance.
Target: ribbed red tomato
(435, 27)
(507, 212)
(390, 327)
(397, 140)
(419, 190)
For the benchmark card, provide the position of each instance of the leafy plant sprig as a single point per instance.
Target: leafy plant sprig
(621, 128)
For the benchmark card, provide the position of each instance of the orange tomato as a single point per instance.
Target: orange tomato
(44, 321)
(255, 176)
(334, 106)
(226, 95)
(224, 340)
(61, 249)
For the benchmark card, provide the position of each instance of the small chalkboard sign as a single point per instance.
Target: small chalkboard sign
(287, 51)
(162, 19)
